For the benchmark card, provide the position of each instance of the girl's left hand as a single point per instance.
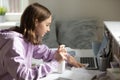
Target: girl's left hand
(72, 61)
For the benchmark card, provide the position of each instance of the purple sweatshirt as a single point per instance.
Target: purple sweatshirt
(16, 55)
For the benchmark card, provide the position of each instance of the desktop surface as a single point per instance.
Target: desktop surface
(75, 73)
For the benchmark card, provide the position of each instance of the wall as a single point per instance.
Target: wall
(69, 9)
(66, 9)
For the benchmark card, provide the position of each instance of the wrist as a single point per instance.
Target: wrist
(67, 57)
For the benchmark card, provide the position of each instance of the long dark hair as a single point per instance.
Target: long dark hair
(27, 24)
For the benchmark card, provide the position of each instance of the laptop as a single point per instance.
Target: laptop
(89, 58)
(91, 62)
(86, 58)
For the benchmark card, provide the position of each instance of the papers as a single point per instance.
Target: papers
(61, 78)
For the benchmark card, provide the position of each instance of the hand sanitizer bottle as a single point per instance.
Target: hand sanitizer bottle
(61, 67)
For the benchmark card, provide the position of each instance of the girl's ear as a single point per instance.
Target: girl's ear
(36, 22)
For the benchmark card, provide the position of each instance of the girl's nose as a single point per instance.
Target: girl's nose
(48, 29)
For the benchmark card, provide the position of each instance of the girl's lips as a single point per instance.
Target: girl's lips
(43, 34)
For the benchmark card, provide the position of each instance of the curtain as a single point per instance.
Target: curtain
(14, 6)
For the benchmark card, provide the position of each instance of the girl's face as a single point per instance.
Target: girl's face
(41, 28)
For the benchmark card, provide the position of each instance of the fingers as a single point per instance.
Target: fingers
(72, 61)
(62, 48)
(62, 51)
(80, 65)
(58, 57)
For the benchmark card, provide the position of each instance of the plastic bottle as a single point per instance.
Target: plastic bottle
(61, 67)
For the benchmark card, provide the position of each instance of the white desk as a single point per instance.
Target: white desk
(5, 25)
(75, 73)
(114, 28)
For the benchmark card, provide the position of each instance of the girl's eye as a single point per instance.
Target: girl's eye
(48, 25)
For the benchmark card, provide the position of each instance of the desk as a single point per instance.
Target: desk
(113, 27)
(75, 73)
(6, 25)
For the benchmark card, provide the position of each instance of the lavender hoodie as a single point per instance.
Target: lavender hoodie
(16, 55)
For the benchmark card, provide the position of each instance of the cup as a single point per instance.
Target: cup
(103, 63)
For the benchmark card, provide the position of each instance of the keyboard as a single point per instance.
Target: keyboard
(88, 60)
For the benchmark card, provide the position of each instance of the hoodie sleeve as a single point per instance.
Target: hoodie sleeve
(17, 68)
(16, 65)
(43, 52)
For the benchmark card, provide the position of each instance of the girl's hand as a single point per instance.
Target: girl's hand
(61, 53)
(72, 61)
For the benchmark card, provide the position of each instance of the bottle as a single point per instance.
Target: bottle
(61, 67)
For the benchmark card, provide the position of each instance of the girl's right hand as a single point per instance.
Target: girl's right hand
(61, 53)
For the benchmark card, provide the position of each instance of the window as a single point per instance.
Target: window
(14, 8)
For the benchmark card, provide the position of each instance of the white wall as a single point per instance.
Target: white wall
(67, 9)
(71, 9)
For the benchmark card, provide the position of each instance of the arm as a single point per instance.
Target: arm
(70, 59)
(18, 69)
(44, 53)
(16, 64)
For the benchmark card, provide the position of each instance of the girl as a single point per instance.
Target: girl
(19, 45)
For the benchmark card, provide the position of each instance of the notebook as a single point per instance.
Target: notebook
(62, 78)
